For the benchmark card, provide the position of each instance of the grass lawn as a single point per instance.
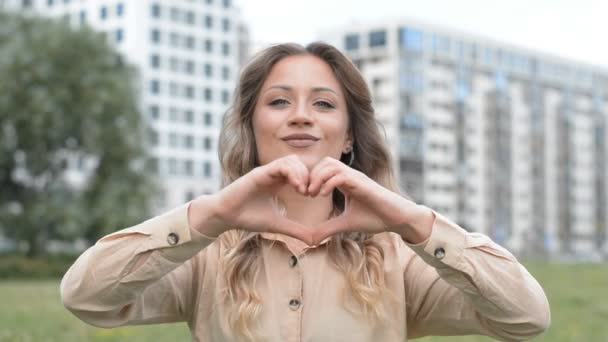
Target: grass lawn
(32, 311)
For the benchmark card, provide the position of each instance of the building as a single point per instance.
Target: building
(188, 54)
(503, 140)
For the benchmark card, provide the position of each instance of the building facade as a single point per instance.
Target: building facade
(188, 55)
(505, 141)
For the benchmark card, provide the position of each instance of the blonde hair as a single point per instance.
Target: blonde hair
(360, 258)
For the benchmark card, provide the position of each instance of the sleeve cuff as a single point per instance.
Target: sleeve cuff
(445, 246)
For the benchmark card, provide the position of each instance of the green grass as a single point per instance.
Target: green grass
(32, 311)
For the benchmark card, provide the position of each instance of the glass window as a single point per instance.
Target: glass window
(208, 45)
(83, 17)
(173, 114)
(225, 97)
(227, 3)
(153, 137)
(189, 116)
(154, 112)
(377, 38)
(188, 169)
(188, 141)
(172, 166)
(174, 39)
(411, 39)
(209, 2)
(189, 92)
(226, 24)
(351, 42)
(155, 10)
(173, 89)
(208, 94)
(103, 12)
(189, 67)
(207, 169)
(155, 87)
(190, 195)
(208, 70)
(120, 9)
(209, 21)
(119, 35)
(49, 3)
(172, 139)
(155, 36)
(225, 49)
(208, 119)
(174, 14)
(190, 17)
(174, 64)
(190, 42)
(207, 143)
(225, 73)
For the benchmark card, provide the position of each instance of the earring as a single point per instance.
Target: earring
(351, 158)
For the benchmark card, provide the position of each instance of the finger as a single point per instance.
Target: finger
(335, 181)
(320, 177)
(302, 172)
(294, 229)
(329, 228)
(285, 170)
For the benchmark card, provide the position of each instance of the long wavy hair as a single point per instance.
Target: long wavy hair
(360, 258)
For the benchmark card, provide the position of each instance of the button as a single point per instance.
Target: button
(293, 261)
(294, 304)
(439, 253)
(172, 238)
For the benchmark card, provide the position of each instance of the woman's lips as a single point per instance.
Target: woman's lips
(300, 142)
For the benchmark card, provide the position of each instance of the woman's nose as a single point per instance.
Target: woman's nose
(300, 116)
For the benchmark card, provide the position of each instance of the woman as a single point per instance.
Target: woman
(309, 239)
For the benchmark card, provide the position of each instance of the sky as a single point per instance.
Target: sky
(573, 29)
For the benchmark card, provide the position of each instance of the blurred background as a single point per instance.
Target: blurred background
(110, 111)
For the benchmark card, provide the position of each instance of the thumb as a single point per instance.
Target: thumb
(330, 227)
(294, 229)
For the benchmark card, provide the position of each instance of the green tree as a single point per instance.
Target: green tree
(66, 95)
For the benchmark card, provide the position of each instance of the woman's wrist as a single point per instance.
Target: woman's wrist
(419, 224)
(204, 216)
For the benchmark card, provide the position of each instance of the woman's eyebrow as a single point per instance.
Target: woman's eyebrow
(314, 89)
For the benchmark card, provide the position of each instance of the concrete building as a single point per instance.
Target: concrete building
(188, 54)
(503, 140)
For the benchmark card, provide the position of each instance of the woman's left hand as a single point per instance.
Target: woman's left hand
(369, 207)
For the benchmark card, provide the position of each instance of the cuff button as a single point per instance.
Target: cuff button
(172, 238)
(439, 253)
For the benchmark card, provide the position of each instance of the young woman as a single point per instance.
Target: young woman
(310, 238)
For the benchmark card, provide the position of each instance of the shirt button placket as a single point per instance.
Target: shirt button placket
(296, 296)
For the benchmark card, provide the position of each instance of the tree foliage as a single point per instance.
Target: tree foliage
(67, 97)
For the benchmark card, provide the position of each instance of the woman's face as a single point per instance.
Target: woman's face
(301, 110)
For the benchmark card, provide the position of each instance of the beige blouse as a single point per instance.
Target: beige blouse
(454, 283)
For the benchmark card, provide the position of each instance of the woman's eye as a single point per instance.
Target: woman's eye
(278, 102)
(324, 104)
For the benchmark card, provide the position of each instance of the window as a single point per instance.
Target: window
(174, 64)
(154, 112)
(103, 12)
(208, 69)
(209, 2)
(155, 36)
(120, 9)
(226, 24)
(208, 119)
(155, 61)
(189, 67)
(208, 21)
(49, 3)
(155, 87)
(189, 92)
(351, 42)
(208, 45)
(173, 139)
(153, 137)
(225, 97)
(189, 116)
(207, 169)
(225, 48)
(377, 38)
(174, 14)
(189, 196)
(174, 39)
(189, 42)
(208, 94)
(188, 141)
(83, 17)
(227, 3)
(173, 114)
(225, 73)
(188, 167)
(172, 166)
(207, 143)
(190, 17)
(119, 35)
(173, 89)
(411, 39)
(155, 10)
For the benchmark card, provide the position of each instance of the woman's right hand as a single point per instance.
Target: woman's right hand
(251, 203)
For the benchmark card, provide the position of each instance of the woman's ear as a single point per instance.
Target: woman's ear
(348, 145)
